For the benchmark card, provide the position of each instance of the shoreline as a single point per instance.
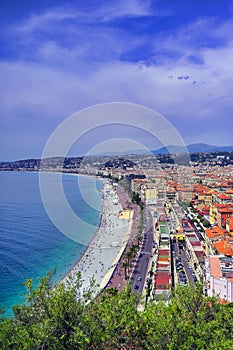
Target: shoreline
(106, 246)
(98, 227)
(107, 243)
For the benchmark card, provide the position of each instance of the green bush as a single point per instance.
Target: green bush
(59, 319)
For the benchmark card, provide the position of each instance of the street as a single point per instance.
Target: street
(140, 269)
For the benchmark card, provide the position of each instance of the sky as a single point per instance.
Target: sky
(59, 57)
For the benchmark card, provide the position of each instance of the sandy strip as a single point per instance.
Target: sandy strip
(106, 247)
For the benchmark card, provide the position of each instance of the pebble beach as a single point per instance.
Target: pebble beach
(105, 249)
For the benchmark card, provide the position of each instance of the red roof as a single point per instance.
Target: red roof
(195, 244)
(164, 252)
(162, 280)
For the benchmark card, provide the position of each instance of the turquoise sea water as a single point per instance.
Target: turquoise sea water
(30, 244)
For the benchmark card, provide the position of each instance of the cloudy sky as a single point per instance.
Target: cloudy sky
(58, 57)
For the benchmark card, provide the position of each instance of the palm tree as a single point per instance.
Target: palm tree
(139, 238)
(125, 265)
(134, 249)
(129, 255)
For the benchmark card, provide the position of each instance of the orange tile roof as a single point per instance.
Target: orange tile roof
(223, 196)
(201, 189)
(224, 247)
(206, 207)
(223, 206)
(184, 189)
(225, 210)
(215, 232)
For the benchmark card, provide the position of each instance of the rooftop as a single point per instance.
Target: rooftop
(224, 247)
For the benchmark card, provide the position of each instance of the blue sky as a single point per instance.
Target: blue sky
(57, 57)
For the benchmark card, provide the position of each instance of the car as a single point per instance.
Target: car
(183, 283)
(182, 274)
(195, 279)
(179, 268)
(183, 278)
(136, 286)
(139, 278)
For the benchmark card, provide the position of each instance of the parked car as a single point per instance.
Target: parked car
(183, 283)
(179, 266)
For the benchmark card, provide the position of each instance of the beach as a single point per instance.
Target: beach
(105, 249)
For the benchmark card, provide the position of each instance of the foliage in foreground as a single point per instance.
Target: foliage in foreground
(58, 319)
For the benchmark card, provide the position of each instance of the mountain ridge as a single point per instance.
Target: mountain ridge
(193, 148)
(173, 149)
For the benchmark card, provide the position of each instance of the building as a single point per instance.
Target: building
(229, 226)
(171, 194)
(203, 195)
(221, 198)
(213, 235)
(184, 193)
(219, 213)
(224, 247)
(195, 250)
(149, 193)
(222, 215)
(126, 214)
(219, 277)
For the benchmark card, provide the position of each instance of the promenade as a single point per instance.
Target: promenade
(117, 279)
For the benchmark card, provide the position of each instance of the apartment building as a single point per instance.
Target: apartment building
(219, 277)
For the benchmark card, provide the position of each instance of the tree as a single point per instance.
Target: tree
(125, 266)
(139, 238)
(129, 256)
(134, 249)
(61, 318)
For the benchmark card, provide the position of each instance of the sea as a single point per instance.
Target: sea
(30, 243)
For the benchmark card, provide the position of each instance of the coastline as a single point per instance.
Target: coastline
(101, 255)
(105, 248)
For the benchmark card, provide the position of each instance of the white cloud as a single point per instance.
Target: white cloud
(129, 8)
(55, 89)
(103, 13)
(52, 79)
(44, 21)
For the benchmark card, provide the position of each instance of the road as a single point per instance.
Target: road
(141, 267)
(181, 254)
